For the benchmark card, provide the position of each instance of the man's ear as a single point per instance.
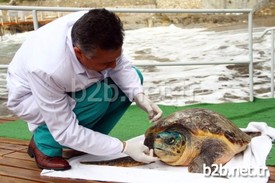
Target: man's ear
(78, 52)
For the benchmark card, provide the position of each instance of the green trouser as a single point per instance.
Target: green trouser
(100, 114)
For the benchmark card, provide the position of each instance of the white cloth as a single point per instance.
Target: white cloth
(44, 69)
(249, 166)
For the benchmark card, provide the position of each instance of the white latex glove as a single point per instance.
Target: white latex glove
(153, 111)
(139, 152)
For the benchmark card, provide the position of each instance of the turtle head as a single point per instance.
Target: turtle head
(169, 146)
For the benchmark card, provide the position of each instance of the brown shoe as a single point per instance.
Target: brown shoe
(46, 162)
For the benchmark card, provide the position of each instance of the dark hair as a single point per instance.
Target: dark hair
(99, 28)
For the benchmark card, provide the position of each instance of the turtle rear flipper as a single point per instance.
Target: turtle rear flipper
(253, 134)
(121, 162)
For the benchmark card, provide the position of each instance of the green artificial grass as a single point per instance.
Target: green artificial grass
(16, 129)
(135, 122)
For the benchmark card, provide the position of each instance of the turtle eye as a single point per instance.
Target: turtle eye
(170, 140)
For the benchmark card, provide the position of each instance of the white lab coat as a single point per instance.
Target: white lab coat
(44, 69)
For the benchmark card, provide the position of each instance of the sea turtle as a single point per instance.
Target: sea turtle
(193, 138)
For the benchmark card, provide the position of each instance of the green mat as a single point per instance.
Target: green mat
(134, 122)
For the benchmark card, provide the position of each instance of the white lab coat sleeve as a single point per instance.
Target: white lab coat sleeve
(126, 77)
(61, 120)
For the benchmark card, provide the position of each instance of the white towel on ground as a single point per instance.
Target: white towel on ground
(249, 166)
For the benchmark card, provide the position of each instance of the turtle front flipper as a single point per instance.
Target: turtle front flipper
(211, 151)
(121, 162)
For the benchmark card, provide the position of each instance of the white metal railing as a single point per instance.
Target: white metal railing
(34, 10)
(272, 30)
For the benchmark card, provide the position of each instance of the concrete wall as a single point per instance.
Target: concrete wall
(265, 7)
(229, 4)
(208, 4)
(91, 3)
(180, 4)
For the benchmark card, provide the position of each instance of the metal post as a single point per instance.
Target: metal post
(272, 65)
(250, 34)
(35, 19)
